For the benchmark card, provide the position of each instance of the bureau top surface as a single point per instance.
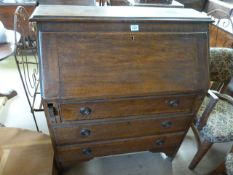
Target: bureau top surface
(90, 13)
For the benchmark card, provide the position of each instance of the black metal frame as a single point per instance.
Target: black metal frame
(26, 58)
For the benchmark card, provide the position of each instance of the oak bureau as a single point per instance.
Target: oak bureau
(120, 79)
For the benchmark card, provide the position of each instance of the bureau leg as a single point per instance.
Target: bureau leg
(57, 168)
(171, 155)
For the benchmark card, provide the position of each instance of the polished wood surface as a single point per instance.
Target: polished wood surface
(150, 105)
(120, 128)
(7, 10)
(121, 76)
(89, 13)
(85, 151)
(25, 152)
(116, 81)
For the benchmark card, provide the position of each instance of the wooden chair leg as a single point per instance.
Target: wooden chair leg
(231, 149)
(196, 135)
(204, 147)
(220, 169)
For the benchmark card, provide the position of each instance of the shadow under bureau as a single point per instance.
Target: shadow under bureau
(120, 79)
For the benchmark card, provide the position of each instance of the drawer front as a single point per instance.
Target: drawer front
(88, 151)
(106, 130)
(126, 107)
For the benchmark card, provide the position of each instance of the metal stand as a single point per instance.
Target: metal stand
(27, 60)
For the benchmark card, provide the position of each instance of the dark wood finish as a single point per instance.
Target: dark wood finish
(67, 2)
(109, 90)
(115, 129)
(221, 168)
(204, 146)
(202, 150)
(79, 152)
(7, 11)
(208, 109)
(125, 76)
(196, 134)
(126, 107)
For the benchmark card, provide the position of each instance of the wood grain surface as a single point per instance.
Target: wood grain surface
(90, 13)
(120, 79)
(127, 107)
(142, 63)
(25, 152)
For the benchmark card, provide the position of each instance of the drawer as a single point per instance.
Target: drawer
(170, 151)
(126, 107)
(117, 129)
(157, 143)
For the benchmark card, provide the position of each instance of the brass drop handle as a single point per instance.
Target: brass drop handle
(174, 103)
(85, 111)
(166, 124)
(85, 132)
(87, 151)
(159, 142)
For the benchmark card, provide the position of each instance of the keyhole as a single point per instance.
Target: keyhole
(132, 38)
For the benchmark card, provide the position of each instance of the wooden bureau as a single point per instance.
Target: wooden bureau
(120, 79)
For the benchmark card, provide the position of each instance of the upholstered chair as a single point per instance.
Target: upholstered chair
(225, 166)
(214, 122)
(229, 163)
(221, 67)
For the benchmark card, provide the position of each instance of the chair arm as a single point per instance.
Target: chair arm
(225, 97)
(210, 106)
